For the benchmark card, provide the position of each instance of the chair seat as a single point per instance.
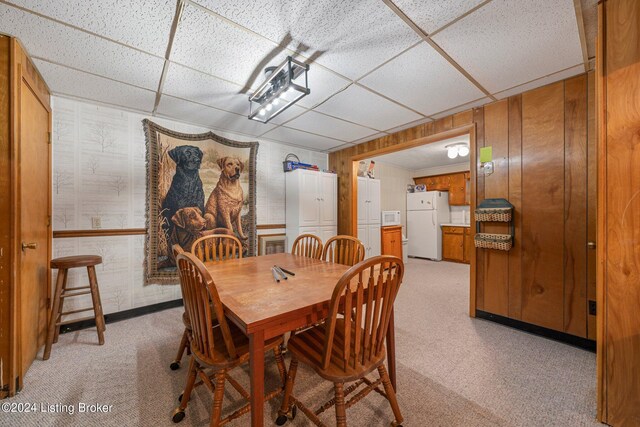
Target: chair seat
(308, 347)
(75, 261)
(220, 358)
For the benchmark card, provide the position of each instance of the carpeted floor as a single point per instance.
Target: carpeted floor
(452, 371)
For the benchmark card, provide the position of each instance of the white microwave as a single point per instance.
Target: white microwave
(390, 218)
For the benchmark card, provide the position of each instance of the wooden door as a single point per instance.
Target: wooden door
(452, 246)
(34, 199)
(457, 189)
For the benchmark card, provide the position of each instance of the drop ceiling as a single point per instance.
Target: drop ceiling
(376, 66)
(425, 156)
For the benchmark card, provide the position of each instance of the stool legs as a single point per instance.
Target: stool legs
(61, 282)
(97, 305)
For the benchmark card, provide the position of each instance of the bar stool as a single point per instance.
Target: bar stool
(61, 292)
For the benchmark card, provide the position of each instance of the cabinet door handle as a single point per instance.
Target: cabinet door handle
(32, 245)
(591, 245)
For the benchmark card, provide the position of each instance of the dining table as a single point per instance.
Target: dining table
(264, 308)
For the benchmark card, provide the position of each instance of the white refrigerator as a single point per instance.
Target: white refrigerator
(425, 212)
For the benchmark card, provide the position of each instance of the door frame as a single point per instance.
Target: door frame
(459, 131)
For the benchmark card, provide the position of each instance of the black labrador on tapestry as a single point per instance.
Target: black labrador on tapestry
(186, 186)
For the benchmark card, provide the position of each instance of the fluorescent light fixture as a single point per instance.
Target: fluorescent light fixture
(455, 150)
(285, 79)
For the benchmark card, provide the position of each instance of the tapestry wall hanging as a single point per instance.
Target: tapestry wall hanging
(197, 185)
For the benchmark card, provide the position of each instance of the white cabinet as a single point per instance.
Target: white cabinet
(369, 215)
(369, 235)
(368, 201)
(311, 204)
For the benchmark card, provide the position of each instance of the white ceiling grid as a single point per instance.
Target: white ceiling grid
(371, 74)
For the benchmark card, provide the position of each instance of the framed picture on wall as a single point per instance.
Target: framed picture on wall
(272, 244)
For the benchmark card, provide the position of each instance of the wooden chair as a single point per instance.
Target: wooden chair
(353, 345)
(345, 250)
(184, 342)
(215, 349)
(217, 247)
(307, 245)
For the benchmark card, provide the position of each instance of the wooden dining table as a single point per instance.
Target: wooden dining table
(264, 308)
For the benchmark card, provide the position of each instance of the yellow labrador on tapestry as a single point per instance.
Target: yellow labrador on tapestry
(225, 202)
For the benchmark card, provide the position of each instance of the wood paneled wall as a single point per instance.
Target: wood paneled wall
(619, 212)
(540, 150)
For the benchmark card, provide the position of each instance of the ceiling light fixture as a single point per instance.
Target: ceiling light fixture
(279, 86)
(458, 149)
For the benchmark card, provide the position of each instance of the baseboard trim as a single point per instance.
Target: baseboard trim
(122, 315)
(573, 340)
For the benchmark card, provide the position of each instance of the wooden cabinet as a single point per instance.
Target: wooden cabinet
(25, 213)
(456, 244)
(468, 245)
(392, 241)
(311, 204)
(457, 184)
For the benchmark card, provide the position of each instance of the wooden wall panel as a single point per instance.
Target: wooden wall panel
(619, 219)
(496, 185)
(543, 206)
(575, 206)
(515, 197)
(592, 191)
(478, 119)
(527, 283)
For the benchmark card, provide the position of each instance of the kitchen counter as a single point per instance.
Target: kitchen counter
(454, 225)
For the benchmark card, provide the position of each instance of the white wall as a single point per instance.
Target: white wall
(437, 170)
(99, 170)
(393, 188)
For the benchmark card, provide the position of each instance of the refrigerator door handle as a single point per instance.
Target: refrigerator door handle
(433, 219)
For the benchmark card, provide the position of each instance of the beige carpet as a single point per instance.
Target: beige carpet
(452, 371)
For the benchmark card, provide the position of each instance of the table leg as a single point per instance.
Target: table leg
(391, 351)
(256, 362)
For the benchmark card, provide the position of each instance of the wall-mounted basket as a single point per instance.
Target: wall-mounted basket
(494, 210)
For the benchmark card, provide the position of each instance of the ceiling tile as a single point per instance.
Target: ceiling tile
(431, 15)
(369, 138)
(323, 84)
(328, 126)
(510, 42)
(65, 81)
(144, 24)
(46, 39)
(570, 72)
(217, 47)
(348, 37)
(290, 113)
(340, 147)
(361, 106)
(195, 86)
(423, 80)
(464, 107)
(301, 139)
(210, 117)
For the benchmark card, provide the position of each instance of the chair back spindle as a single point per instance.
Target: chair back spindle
(200, 298)
(342, 249)
(364, 295)
(217, 247)
(307, 245)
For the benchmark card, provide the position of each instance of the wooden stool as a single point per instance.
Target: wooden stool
(55, 321)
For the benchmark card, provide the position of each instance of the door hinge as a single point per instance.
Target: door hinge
(592, 308)
(48, 220)
(48, 137)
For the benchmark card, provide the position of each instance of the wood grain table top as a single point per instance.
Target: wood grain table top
(251, 296)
